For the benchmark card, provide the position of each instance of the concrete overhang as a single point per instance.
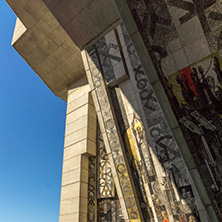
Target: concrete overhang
(50, 34)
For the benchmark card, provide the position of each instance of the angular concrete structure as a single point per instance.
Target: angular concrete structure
(143, 85)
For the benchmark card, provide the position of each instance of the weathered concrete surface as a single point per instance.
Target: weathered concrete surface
(49, 36)
(45, 46)
(84, 20)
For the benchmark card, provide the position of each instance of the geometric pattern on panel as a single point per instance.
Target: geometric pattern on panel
(164, 187)
(188, 62)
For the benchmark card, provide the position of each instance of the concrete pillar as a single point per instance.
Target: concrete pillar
(114, 146)
(80, 143)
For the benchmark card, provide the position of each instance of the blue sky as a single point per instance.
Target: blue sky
(32, 123)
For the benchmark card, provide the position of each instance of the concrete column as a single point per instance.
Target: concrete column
(80, 143)
(114, 146)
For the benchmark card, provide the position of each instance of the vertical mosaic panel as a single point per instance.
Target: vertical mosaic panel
(131, 151)
(184, 40)
(103, 202)
(92, 201)
(104, 175)
(152, 183)
(114, 144)
(161, 178)
(167, 170)
(109, 208)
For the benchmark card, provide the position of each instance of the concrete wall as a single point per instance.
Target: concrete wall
(183, 40)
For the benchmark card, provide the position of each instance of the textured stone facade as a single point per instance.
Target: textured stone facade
(143, 83)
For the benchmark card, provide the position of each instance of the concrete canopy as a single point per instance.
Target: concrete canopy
(50, 34)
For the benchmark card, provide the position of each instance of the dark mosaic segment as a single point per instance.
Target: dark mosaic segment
(154, 22)
(105, 181)
(92, 205)
(103, 202)
(108, 206)
(109, 210)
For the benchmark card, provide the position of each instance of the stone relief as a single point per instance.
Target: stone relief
(188, 62)
(95, 76)
(162, 181)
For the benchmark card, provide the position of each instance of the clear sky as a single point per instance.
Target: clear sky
(32, 123)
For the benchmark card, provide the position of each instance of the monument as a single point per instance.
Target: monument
(143, 85)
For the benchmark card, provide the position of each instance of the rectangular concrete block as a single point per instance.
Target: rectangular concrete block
(59, 55)
(91, 148)
(82, 217)
(92, 122)
(70, 191)
(58, 35)
(82, 134)
(69, 217)
(76, 137)
(75, 149)
(76, 125)
(68, 46)
(29, 19)
(48, 46)
(95, 100)
(45, 66)
(78, 91)
(80, 143)
(86, 109)
(71, 163)
(84, 59)
(74, 190)
(84, 175)
(77, 114)
(92, 111)
(84, 189)
(36, 8)
(70, 177)
(75, 104)
(84, 162)
(86, 146)
(91, 134)
(69, 206)
(48, 16)
(83, 205)
(37, 55)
